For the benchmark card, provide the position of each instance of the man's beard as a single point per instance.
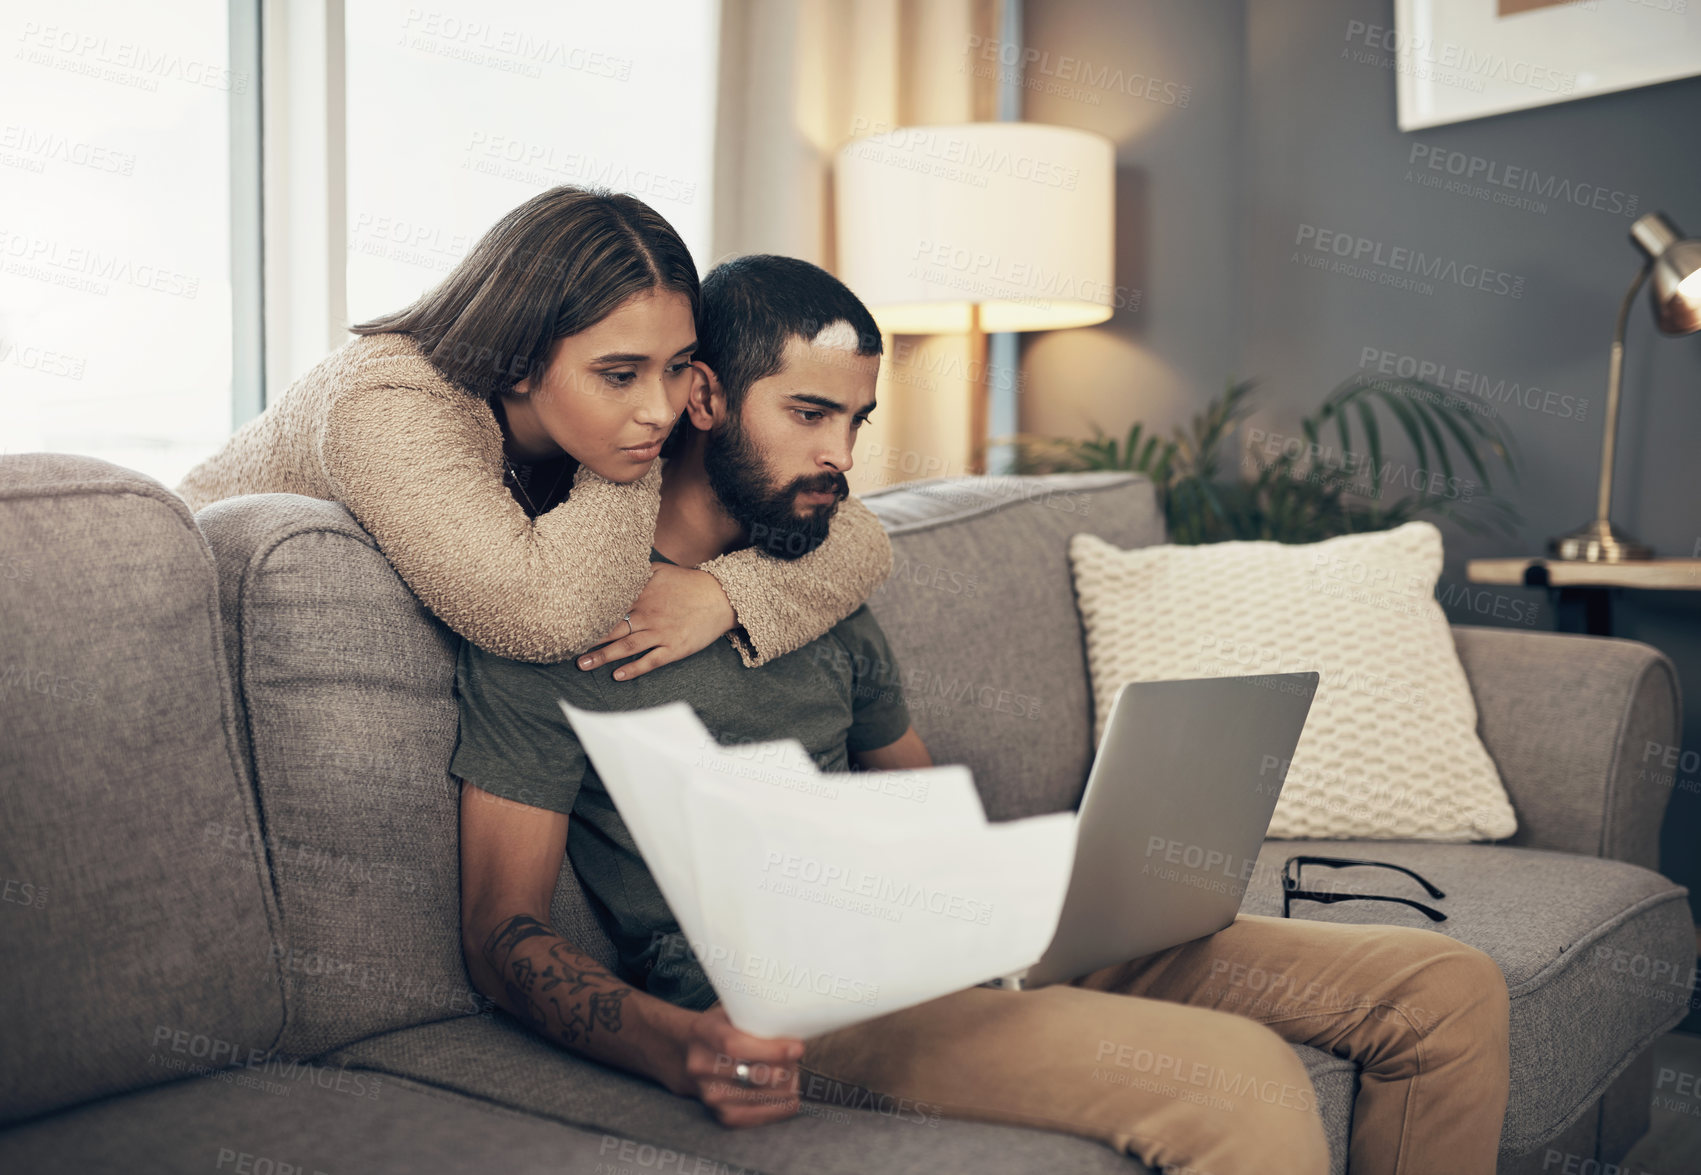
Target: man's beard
(740, 480)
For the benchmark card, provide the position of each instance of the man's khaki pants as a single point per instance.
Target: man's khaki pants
(1182, 1057)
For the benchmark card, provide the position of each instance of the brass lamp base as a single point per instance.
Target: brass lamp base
(1599, 542)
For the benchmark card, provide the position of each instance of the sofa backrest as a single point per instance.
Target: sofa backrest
(980, 612)
(136, 921)
(347, 682)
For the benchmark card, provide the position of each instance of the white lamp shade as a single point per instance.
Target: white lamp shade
(1015, 217)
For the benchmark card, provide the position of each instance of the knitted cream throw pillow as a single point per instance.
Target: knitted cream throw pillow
(1390, 748)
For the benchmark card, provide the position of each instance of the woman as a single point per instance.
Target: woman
(498, 439)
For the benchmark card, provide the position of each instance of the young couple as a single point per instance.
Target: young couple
(568, 444)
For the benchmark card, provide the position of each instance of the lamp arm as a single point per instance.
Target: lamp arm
(1615, 379)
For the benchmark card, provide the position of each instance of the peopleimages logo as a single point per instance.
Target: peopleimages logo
(200, 1054)
(133, 64)
(512, 50)
(773, 978)
(1473, 64)
(45, 682)
(894, 893)
(1342, 468)
(1354, 252)
(42, 361)
(915, 146)
(536, 161)
(88, 269)
(1026, 281)
(1482, 392)
(42, 147)
(1470, 169)
(1168, 1066)
(1025, 60)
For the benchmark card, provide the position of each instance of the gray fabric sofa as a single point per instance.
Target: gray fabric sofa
(229, 846)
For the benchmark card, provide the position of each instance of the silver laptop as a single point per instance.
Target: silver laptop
(1168, 830)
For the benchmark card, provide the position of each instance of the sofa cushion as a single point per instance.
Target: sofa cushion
(1390, 748)
(980, 611)
(348, 687)
(1599, 956)
(260, 1124)
(122, 917)
(494, 1058)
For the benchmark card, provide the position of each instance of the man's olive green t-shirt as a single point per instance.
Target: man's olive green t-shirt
(837, 695)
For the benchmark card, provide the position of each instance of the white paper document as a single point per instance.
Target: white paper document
(815, 900)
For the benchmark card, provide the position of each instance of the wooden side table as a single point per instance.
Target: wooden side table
(1581, 592)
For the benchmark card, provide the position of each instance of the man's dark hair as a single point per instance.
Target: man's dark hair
(554, 266)
(753, 305)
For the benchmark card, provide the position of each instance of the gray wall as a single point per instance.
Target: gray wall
(1178, 184)
(1290, 129)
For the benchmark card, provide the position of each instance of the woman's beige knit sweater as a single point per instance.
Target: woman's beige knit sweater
(418, 462)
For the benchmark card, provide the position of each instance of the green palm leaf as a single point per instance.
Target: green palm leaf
(1310, 495)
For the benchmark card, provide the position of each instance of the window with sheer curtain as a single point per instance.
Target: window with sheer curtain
(126, 200)
(115, 243)
(457, 112)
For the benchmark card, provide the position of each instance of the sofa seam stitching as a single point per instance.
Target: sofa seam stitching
(1609, 795)
(1564, 961)
(265, 847)
(156, 493)
(987, 510)
(375, 1066)
(241, 776)
(268, 546)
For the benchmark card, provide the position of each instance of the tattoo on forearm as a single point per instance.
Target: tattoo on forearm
(511, 933)
(605, 1008)
(569, 997)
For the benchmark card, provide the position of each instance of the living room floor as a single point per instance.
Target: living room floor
(1672, 1145)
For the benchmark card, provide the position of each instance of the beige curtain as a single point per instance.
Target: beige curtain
(798, 80)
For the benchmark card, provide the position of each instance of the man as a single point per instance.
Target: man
(1145, 1056)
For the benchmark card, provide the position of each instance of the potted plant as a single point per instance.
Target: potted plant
(1296, 491)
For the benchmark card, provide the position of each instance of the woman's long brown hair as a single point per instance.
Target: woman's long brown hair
(555, 265)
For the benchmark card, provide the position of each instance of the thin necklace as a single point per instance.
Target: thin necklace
(502, 414)
(514, 473)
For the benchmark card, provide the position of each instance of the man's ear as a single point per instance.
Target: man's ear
(706, 402)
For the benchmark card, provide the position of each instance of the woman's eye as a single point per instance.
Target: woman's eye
(678, 367)
(619, 379)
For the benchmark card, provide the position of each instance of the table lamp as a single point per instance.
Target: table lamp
(977, 228)
(1675, 263)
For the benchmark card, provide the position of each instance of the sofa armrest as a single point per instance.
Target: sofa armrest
(1579, 727)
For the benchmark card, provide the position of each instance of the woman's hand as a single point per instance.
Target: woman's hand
(680, 611)
(711, 1051)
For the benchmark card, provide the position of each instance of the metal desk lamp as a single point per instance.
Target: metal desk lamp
(1676, 295)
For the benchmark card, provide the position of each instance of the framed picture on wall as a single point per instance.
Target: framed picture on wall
(1463, 59)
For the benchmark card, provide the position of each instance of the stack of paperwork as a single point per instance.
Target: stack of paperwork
(817, 900)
